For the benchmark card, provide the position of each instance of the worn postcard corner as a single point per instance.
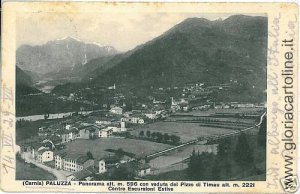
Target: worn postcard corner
(145, 97)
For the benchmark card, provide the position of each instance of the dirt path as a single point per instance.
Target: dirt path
(59, 175)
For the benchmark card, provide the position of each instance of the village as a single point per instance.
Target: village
(124, 143)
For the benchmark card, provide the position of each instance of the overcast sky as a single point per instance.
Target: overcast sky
(122, 31)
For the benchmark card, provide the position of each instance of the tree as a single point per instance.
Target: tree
(148, 133)
(175, 139)
(262, 133)
(224, 154)
(215, 173)
(224, 148)
(200, 166)
(89, 155)
(243, 154)
(128, 106)
(207, 160)
(127, 134)
(166, 137)
(142, 133)
(193, 165)
(122, 173)
(159, 137)
(120, 152)
(153, 135)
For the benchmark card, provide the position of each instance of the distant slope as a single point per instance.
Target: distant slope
(22, 78)
(101, 65)
(59, 55)
(198, 50)
(195, 50)
(31, 101)
(24, 83)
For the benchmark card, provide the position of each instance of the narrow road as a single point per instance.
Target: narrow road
(59, 175)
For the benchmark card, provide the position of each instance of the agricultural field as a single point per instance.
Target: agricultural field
(98, 146)
(186, 131)
(214, 111)
(199, 118)
(173, 160)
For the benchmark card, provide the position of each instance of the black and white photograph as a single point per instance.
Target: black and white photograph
(138, 96)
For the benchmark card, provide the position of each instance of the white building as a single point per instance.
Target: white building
(127, 114)
(59, 160)
(68, 127)
(103, 122)
(116, 110)
(107, 132)
(123, 124)
(144, 170)
(185, 108)
(72, 163)
(44, 155)
(246, 105)
(151, 115)
(102, 168)
(112, 87)
(123, 127)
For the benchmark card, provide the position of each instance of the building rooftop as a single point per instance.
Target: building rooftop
(60, 153)
(92, 128)
(82, 159)
(144, 166)
(41, 151)
(107, 129)
(63, 131)
(81, 175)
(55, 139)
(116, 108)
(73, 129)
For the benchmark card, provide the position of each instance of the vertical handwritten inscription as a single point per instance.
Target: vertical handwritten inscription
(274, 110)
(7, 120)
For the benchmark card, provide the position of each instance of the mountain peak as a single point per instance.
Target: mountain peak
(240, 18)
(190, 23)
(60, 54)
(195, 19)
(68, 38)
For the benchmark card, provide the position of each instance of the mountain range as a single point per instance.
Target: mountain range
(59, 55)
(195, 50)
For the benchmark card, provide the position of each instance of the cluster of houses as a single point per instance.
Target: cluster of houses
(181, 104)
(48, 146)
(140, 116)
(80, 167)
(73, 163)
(65, 132)
(77, 165)
(92, 127)
(235, 105)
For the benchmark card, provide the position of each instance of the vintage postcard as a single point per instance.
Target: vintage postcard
(149, 97)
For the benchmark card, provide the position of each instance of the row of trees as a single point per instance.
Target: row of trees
(160, 137)
(207, 166)
(262, 133)
(231, 154)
